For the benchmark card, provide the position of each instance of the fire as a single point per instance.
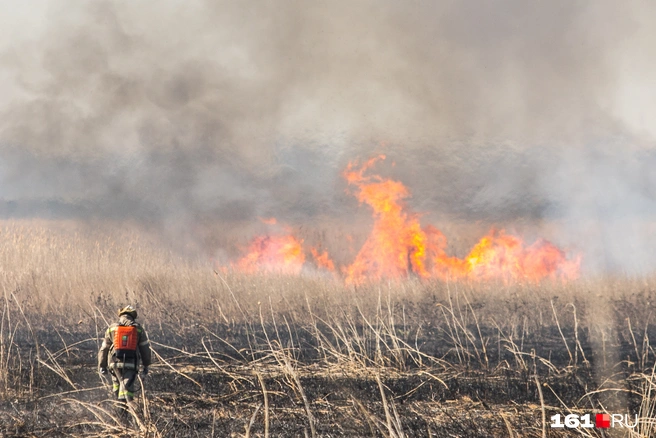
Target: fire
(398, 246)
(499, 256)
(280, 254)
(323, 260)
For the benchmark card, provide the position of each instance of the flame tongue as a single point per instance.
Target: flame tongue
(323, 260)
(397, 244)
(281, 254)
(544, 259)
(496, 256)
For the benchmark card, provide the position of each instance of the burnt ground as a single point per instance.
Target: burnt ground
(202, 386)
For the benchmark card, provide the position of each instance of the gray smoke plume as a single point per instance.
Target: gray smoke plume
(184, 114)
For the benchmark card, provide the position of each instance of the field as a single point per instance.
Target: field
(285, 356)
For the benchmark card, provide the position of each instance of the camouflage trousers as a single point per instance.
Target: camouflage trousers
(123, 382)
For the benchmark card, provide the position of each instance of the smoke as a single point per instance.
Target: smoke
(181, 113)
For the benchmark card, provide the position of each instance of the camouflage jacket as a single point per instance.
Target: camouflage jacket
(107, 347)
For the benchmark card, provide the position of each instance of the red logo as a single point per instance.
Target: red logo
(602, 421)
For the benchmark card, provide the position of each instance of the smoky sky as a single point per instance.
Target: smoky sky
(174, 112)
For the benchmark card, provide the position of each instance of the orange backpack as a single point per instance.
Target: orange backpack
(125, 341)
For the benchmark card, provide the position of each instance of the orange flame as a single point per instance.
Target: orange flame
(323, 260)
(398, 246)
(280, 254)
(504, 257)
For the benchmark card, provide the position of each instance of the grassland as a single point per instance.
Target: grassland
(278, 356)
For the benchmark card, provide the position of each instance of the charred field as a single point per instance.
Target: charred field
(280, 356)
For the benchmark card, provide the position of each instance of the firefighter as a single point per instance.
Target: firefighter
(124, 347)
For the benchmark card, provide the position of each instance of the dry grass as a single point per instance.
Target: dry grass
(306, 356)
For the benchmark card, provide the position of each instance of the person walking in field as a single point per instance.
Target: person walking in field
(124, 347)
